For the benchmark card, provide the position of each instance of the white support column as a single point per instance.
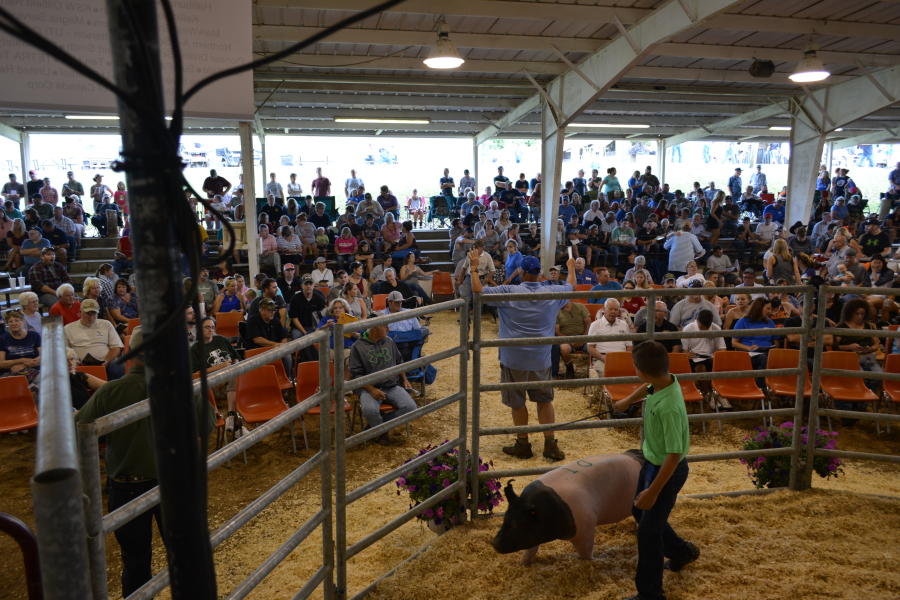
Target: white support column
(25, 156)
(261, 134)
(661, 148)
(806, 154)
(474, 169)
(551, 164)
(249, 198)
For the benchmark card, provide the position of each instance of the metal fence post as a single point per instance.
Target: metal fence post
(795, 481)
(476, 396)
(325, 432)
(340, 468)
(463, 417)
(88, 446)
(804, 479)
(56, 486)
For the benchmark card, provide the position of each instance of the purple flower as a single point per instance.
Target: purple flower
(440, 511)
(445, 483)
(401, 481)
(428, 513)
(787, 425)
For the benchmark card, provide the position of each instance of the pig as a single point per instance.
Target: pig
(568, 503)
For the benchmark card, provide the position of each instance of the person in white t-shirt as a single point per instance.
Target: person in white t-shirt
(701, 350)
(608, 322)
(353, 183)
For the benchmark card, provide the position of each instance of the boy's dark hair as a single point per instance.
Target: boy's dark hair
(705, 318)
(651, 358)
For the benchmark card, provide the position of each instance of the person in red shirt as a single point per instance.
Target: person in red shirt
(68, 307)
(321, 185)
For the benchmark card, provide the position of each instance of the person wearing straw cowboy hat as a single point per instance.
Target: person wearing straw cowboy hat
(528, 318)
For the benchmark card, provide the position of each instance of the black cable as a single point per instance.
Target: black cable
(343, 23)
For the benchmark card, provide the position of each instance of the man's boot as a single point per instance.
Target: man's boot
(521, 449)
(552, 451)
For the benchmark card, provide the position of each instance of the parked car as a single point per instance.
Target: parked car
(193, 155)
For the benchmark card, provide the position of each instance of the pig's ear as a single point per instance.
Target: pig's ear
(511, 496)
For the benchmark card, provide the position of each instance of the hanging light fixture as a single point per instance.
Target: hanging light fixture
(810, 69)
(443, 55)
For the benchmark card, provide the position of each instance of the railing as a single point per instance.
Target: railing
(98, 524)
(651, 295)
(343, 496)
(72, 568)
(56, 488)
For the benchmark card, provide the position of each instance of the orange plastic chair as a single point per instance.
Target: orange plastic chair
(593, 309)
(307, 376)
(786, 385)
(227, 323)
(379, 301)
(619, 364)
(892, 388)
(583, 287)
(441, 283)
(743, 388)
(132, 323)
(845, 389)
(259, 398)
(678, 364)
(17, 409)
(98, 371)
(283, 382)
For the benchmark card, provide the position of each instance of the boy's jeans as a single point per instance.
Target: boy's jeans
(656, 538)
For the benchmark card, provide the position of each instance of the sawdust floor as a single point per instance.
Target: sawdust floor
(233, 486)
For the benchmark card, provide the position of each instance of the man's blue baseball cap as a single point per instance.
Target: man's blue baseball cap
(531, 265)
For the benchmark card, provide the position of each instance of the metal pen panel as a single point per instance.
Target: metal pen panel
(56, 487)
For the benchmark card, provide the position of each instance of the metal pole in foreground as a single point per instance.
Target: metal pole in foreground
(795, 476)
(89, 448)
(325, 432)
(340, 470)
(804, 478)
(476, 397)
(463, 417)
(181, 465)
(56, 485)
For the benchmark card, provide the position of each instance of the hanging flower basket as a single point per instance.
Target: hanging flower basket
(439, 473)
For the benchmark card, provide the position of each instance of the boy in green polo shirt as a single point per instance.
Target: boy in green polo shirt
(666, 444)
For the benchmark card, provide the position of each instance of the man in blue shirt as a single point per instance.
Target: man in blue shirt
(528, 318)
(566, 210)
(604, 283)
(735, 187)
(776, 210)
(582, 275)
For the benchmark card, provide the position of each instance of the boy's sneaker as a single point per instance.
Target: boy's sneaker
(724, 404)
(552, 451)
(676, 565)
(521, 449)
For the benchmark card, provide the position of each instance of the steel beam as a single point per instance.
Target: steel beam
(806, 26)
(875, 137)
(552, 143)
(608, 64)
(249, 182)
(752, 116)
(10, 133)
(405, 37)
(776, 54)
(542, 11)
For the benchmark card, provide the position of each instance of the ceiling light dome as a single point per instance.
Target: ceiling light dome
(443, 54)
(810, 69)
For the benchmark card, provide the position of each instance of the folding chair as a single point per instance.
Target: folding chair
(619, 364)
(441, 284)
(227, 324)
(132, 323)
(379, 301)
(283, 381)
(259, 398)
(678, 364)
(743, 388)
(17, 409)
(594, 309)
(781, 386)
(891, 389)
(307, 376)
(98, 371)
(583, 287)
(845, 389)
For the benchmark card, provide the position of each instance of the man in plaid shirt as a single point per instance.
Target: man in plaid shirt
(47, 275)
